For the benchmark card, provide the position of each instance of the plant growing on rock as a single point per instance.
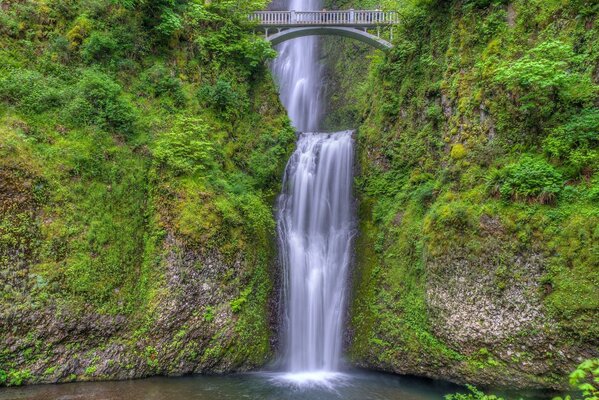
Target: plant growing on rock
(530, 178)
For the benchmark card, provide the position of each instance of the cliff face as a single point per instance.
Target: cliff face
(478, 143)
(141, 148)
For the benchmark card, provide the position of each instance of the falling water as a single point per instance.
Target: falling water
(299, 74)
(314, 217)
(315, 228)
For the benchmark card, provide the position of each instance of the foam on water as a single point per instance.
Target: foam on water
(311, 379)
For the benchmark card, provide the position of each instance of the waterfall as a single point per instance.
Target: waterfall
(315, 217)
(299, 74)
(315, 228)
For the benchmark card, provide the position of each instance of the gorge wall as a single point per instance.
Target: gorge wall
(142, 145)
(478, 136)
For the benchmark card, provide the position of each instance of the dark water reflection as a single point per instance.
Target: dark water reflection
(354, 386)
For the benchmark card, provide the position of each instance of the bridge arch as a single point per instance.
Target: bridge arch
(353, 33)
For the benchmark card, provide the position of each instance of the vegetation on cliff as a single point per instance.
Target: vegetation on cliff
(478, 137)
(141, 146)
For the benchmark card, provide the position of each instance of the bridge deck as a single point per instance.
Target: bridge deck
(344, 18)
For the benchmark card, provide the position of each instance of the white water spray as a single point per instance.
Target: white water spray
(315, 228)
(315, 219)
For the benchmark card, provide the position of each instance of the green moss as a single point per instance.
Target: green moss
(17, 377)
(458, 151)
(122, 128)
(466, 128)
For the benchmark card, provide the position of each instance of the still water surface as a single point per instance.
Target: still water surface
(353, 386)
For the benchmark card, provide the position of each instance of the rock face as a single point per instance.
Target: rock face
(191, 325)
(459, 273)
(473, 311)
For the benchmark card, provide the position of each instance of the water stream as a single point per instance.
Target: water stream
(314, 218)
(299, 74)
(315, 225)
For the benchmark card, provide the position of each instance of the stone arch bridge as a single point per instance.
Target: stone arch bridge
(280, 26)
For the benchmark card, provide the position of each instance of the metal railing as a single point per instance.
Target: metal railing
(360, 18)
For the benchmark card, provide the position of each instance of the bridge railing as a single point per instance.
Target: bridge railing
(341, 17)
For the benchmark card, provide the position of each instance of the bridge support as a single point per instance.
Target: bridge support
(363, 36)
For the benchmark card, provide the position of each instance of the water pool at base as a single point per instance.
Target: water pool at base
(268, 386)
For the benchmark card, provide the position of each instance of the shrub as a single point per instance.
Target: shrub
(99, 46)
(80, 30)
(209, 314)
(424, 194)
(30, 91)
(170, 22)
(253, 52)
(455, 216)
(222, 98)
(544, 72)
(162, 83)
(528, 179)
(544, 85)
(17, 378)
(185, 149)
(237, 304)
(576, 142)
(270, 147)
(585, 378)
(593, 193)
(99, 100)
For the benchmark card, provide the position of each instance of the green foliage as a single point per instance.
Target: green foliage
(478, 100)
(81, 28)
(99, 47)
(161, 83)
(544, 72)
(209, 314)
(270, 147)
(110, 155)
(237, 304)
(170, 22)
(530, 178)
(474, 394)
(483, 3)
(91, 370)
(585, 378)
(455, 215)
(458, 151)
(542, 80)
(16, 377)
(576, 142)
(186, 149)
(30, 91)
(151, 356)
(99, 100)
(223, 99)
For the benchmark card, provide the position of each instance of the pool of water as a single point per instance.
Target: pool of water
(260, 385)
